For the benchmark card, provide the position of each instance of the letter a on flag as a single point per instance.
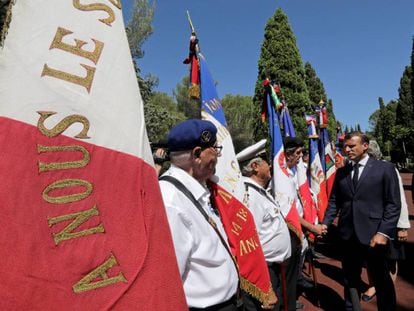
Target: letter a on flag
(82, 222)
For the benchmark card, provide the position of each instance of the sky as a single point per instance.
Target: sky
(358, 48)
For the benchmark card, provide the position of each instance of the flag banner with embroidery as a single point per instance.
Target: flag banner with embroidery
(283, 189)
(83, 225)
(304, 192)
(228, 193)
(330, 159)
(317, 175)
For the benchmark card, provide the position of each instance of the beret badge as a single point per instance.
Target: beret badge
(206, 137)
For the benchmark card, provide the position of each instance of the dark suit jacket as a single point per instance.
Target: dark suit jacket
(374, 206)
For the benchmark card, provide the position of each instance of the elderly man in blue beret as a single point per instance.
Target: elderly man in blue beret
(208, 272)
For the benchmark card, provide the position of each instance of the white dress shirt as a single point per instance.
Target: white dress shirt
(270, 225)
(208, 273)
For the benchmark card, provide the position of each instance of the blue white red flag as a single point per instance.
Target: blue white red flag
(317, 175)
(304, 192)
(283, 189)
(228, 192)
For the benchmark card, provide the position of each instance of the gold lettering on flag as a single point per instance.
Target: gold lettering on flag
(98, 7)
(79, 218)
(247, 246)
(62, 125)
(236, 228)
(86, 81)
(57, 43)
(225, 195)
(86, 284)
(63, 183)
(43, 167)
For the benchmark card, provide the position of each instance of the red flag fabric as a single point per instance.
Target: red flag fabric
(244, 242)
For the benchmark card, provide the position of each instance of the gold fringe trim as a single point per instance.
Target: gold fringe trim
(253, 290)
(7, 21)
(194, 91)
(295, 231)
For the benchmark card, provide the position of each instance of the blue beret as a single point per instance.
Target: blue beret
(192, 133)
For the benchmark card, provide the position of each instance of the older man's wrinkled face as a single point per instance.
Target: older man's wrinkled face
(205, 162)
(262, 169)
(355, 149)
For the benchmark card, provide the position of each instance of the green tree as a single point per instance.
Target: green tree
(412, 78)
(382, 121)
(280, 61)
(139, 29)
(239, 114)
(404, 116)
(190, 107)
(161, 114)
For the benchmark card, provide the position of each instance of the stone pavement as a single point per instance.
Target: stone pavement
(329, 292)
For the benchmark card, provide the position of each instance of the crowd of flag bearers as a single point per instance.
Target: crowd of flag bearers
(210, 271)
(243, 224)
(221, 232)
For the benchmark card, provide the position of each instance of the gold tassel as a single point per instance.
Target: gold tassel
(253, 290)
(194, 91)
(7, 21)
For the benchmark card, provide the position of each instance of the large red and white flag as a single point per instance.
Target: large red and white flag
(82, 222)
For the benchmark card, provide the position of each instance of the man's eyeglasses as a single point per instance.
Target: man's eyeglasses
(218, 149)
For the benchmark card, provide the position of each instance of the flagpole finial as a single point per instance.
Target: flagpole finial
(321, 102)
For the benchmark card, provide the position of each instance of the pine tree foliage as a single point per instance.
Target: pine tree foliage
(161, 114)
(412, 79)
(404, 108)
(280, 61)
(139, 29)
(239, 114)
(190, 107)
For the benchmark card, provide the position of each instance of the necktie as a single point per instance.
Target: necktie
(356, 175)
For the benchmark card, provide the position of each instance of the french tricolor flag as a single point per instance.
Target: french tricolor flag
(82, 222)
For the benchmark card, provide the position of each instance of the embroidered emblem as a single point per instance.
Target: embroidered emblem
(205, 136)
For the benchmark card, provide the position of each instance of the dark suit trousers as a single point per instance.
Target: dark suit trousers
(292, 271)
(354, 257)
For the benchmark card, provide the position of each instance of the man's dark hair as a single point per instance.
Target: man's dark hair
(364, 138)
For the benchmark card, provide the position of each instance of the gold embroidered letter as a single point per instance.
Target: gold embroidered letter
(79, 218)
(224, 195)
(63, 165)
(117, 3)
(63, 183)
(76, 49)
(62, 125)
(97, 7)
(86, 284)
(86, 81)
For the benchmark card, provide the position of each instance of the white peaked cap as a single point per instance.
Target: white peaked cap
(252, 151)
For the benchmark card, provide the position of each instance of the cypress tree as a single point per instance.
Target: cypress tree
(404, 107)
(412, 80)
(280, 61)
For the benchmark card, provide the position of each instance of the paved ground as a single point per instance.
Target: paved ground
(329, 293)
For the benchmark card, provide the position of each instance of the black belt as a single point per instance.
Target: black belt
(219, 306)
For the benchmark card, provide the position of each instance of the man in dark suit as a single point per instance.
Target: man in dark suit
(367, 198)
